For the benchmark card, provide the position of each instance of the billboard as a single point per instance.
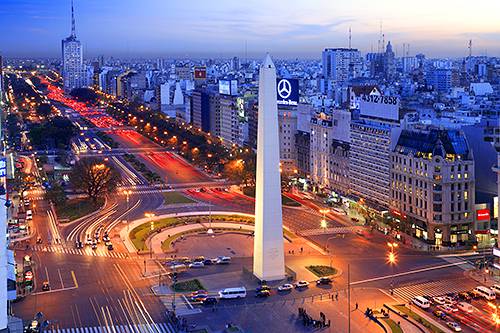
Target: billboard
(200, 73)
(483, 214)
(384, 107)
(287, 91)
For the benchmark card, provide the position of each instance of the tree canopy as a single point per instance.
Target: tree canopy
(95, 177)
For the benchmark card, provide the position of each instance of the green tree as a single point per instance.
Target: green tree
(95, 177)
(43, 110)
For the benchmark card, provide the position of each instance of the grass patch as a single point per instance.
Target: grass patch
(188, 285)
(320, 270)
(75, 208)
(395, 328)
(139, 234)
(418, 318)
(176, 198)
(152, 177)
(286, 201)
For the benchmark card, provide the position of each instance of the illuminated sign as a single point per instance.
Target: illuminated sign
(228, 87)
(28, 276)
(287, 91)
(483, 214)
(385, 107)
(200, 73)
(397, 213)
(3, 167)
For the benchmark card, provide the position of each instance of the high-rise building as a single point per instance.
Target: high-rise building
(433, 185)
(200, 109)
(440, 79)
(341, 64)
(73, 70)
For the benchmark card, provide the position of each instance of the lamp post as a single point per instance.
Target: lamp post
(391, 258)
(324, 223)
(152, 225)
(127, 193)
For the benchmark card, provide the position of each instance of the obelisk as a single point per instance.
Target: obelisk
(268, 253)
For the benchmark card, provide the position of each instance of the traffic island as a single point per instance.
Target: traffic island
(321, 271)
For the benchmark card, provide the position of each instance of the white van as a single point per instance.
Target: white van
(465, 307)
(239, 292)
(487, 293)
(29, 215)
(496, 288)
(421, 302)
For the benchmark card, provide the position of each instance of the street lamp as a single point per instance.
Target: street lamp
(324, 223)
(392, 260)
(127, 193)
(152, 225)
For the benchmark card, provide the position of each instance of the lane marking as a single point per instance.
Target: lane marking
(74, 279)
(410, 272)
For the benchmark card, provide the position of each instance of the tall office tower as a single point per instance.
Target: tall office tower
(268, 253)
(73, 69)
(339, 66)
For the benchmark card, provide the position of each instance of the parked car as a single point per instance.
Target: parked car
(199, 298)
(285, 287)
(301, 284)
(110, 247)
(199, 292)
(449, 299)
(447, 309)
(197, 264)
(324, 280)
(223, 260)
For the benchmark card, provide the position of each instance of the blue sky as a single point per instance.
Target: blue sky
(286, 28)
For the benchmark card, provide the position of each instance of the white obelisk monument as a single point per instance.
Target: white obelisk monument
(268, 252)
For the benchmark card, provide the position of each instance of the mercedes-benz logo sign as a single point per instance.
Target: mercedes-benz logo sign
(284, 88)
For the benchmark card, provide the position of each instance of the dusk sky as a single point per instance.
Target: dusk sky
(220, 28)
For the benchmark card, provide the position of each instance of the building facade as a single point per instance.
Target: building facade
(432, 190)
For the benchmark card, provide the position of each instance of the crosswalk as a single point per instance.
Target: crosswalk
(434, 288)
(82, 252)
(140, 328)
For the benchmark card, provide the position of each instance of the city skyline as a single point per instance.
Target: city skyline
(196, 28)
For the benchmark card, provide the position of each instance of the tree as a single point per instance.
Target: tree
(94, 177)
(54, 133)
(85, 95)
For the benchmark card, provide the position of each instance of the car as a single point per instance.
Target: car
(208, 262)
(301, 284)
(199, 292)
(324, 280)
(88, 241)
(263, 293)
(449, 299)
(45, 286)
(78, 244)
(198, 298)
(94, 246)
(454, 326)
(105, 238)
(107, 243)
(199, 258)
(447, 308)
(285, 287)
(26, 202)
(263, 287)
(465, 296)
(110, 247)
(210, 301)
(223, 260)
(175, 266)
(439, 313)
(197, 264)
(438, 300)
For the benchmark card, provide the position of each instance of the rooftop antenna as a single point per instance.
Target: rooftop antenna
(350, 38)
(383, 43)
(379, 38)
(73, 34)
(246, 54)
(470, 48)
(404, 50)
(408, 49)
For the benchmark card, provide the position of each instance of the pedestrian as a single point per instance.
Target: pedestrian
(356, 305)
(301, 250)
(337, 296)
